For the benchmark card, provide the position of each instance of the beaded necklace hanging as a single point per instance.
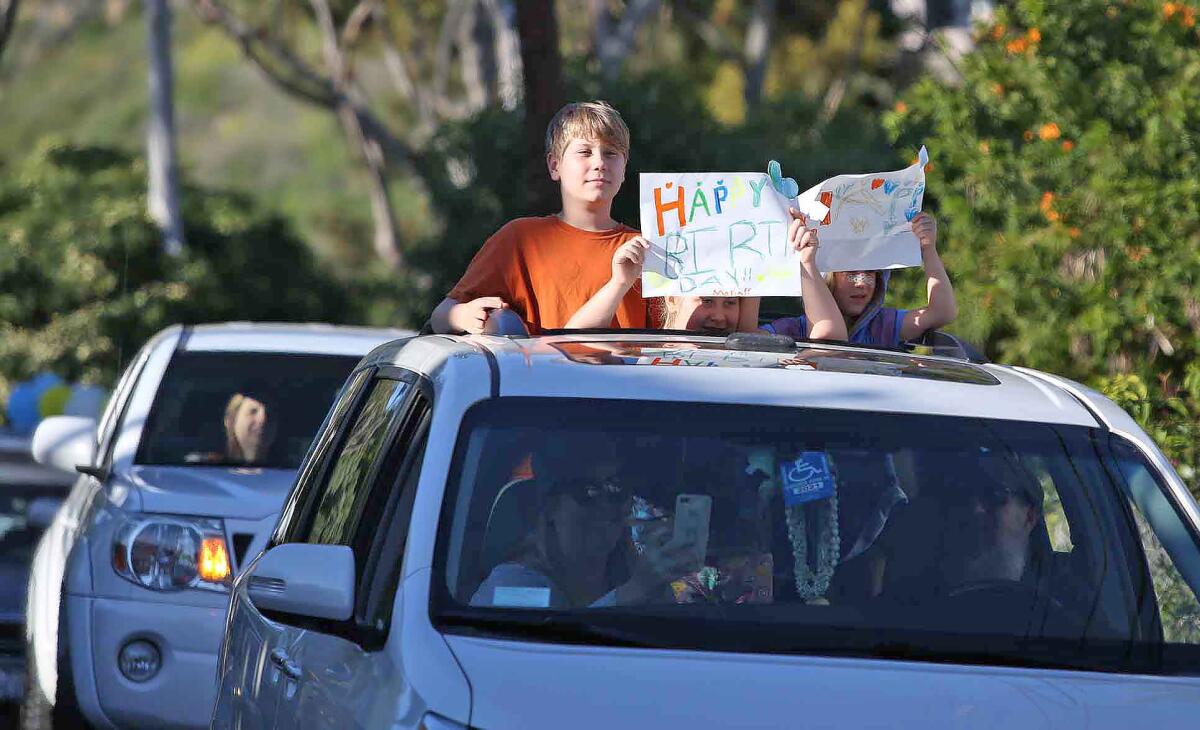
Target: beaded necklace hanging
(812, 583)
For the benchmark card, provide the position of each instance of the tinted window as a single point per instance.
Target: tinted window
(800, 530)
(350, 477)
(226, 408)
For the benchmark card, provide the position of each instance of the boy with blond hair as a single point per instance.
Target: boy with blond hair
(546, 268)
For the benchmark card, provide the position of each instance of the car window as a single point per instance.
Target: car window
(383, 543)
(118, 400)
(800, 530)
(349, 483)
(240, 409)
(312, 469)
(1178, 609)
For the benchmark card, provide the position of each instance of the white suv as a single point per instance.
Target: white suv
(655, 530)
(182, 480)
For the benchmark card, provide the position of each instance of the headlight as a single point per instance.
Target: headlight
(166, 553)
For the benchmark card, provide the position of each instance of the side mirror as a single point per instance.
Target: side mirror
(314, 581)
(65, 442)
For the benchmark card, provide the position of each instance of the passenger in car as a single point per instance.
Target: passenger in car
(249, 430)
(715, 315)
(567, 559)
(545, 268)
(860, 294)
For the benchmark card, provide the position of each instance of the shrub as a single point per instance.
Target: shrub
(1064, 180)
(83, 280)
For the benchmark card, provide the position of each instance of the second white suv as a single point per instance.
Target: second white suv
(182, 480)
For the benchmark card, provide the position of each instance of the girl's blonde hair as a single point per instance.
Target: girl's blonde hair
(593, 120)
(666, 312)
(233, 449)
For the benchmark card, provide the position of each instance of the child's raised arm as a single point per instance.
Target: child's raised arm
(748, 314)
(942, 307)
(626, 269)
(825, 320)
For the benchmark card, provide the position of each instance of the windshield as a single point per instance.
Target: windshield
(240, 409)
(768, 529)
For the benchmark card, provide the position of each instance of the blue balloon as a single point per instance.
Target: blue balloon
(23, 408)
(86, 400)
(23, 413)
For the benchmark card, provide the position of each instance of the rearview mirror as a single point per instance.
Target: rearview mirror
(315, 581)
(64, 442)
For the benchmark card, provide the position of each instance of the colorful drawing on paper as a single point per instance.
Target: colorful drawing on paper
(717, 234)
(869, 220)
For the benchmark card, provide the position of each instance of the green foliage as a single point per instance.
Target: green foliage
(1065, 185)
(83, 280)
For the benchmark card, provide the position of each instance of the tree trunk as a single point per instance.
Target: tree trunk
(758, 50)
(163, 200)
(542, 65)
(477, 55)
(508, 50)
(386, 241)
(8, 19)
(351, 112)
(615, 45)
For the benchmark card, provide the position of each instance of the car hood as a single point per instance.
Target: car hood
(531, 686)
(210, 490)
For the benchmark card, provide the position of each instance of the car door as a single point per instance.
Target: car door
(333, 673)
(249, 679)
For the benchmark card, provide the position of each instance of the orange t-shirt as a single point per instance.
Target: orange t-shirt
(546, 270)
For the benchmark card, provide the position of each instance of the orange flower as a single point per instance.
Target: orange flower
(1028, 135)
(998, 31)
(1189, 17)
(998, 89)
(1049, 131)
(1169, 9)
(928, 167)
(1137, 253)
(1073, 232)
(1068, 145)
(1020, 45)
(1034, 35)
(1047, 206)
(984, 147)
(901, 107)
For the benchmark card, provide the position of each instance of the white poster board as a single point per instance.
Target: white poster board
(869, 223)
(716, 234)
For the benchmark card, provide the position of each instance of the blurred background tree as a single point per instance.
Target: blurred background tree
(1065, 182)
(79, 293)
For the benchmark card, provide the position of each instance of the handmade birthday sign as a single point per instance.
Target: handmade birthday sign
(869, 223)
(717, 234)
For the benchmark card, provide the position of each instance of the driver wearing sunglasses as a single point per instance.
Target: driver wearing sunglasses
(1000, 519)
(578, 553)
